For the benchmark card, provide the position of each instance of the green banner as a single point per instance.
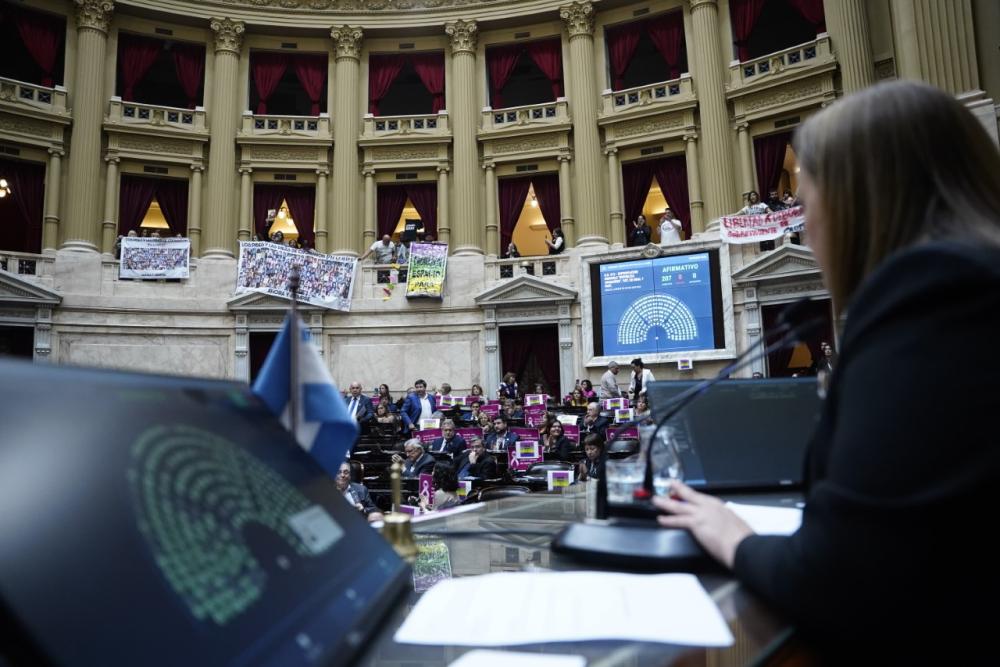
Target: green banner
(428, 263)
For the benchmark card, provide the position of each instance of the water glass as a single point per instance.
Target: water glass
(667, 466)
(624, 476)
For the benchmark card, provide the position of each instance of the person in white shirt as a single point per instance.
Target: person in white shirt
(641, 377)
(754, 205)
(609, 384)
(670, 228)
(558, 242)
(384, 251)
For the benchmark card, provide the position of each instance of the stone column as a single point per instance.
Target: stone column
(588, 185)
(246, 223)
(371, 206)
(82, 231)
(110, 224)
(220, 212)
(847, 23)
(746, 159)
(53, 180)
(617, 217)
(936, 42)
(694, 184)
(194, 206)
(320, 224)
(492, 227)
(467, 233)
(720, 187)
(444, 224)
(566, 199)
(348, 233)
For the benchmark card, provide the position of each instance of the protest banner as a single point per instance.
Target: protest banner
(756, 228)
(152, 258)
(324, 280)
(428, 263)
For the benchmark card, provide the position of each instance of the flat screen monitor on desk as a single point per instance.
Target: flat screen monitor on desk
(168, 521)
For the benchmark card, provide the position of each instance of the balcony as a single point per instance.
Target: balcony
(29, 97)
(151, 119)
(285, 128)
(37, 268)
(528, 117)
(431, 126)
(655, 96)
(780, 66)
(546, 267)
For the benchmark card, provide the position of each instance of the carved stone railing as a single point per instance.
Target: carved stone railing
(27, 264)
(541, 266)
(290, 127)
(398, 127)
(663, 93)
(531, 115)
(30, 96)
(778, 65)
(152, 116)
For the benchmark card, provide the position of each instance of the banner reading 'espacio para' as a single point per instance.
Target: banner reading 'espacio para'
(428, 263)
(764, 227)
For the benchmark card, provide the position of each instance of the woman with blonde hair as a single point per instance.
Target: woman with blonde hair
(901, 188)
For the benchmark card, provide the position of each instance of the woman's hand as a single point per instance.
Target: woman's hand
(715, 526)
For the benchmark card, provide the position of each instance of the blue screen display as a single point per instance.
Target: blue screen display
(657, 305)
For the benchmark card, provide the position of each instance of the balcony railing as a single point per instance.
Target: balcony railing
(34, 97)
(542, 266)
(663, 92)
(27, 264)
(154, 116)
(430, 125)
(312, 127)
(794, 59)
(547, 113)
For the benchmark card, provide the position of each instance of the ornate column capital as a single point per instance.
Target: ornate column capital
(487, 165)
(742, 126)
(368, 170)
(697, 4)
(348, 39)
(57, 152)
(228, 34)
(94, 14)
(691, 138)
(322, 172)
(443, 169)
(564, 157)
(112, 158)
(245, 171)
(197, 168)
(578, 17)
(463, 35)
(611, 150)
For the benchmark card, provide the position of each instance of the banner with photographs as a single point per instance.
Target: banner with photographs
(150, 258)
(764, 227)
(428, 262)
(324, 280)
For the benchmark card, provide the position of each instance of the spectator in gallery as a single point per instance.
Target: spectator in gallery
(642, 233)
(558, 242)
(670, 228)
(587, 387)
(512, 250)
(477, 391)
(278, 237)
(449, 442)
(443, 391)
(774, 202)
(557, 443)
(590, 466)
(428, 238)
(403, 252)
(788, 199)
(508, 388)
(576, 399)
(641, 377)
(416, 461)
(359, 406)
(383, 249)
(476, 462)
(356, 494)
(418, 405)
(593, 421)
(609, 384)
(445, 489)
(754, 205)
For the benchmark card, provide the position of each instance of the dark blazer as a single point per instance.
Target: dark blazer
(562, 448)
(492, 442)
(485, 468)
(366, 410)
(361, 495)
(411, 410)
(600, 425)
(902, 470)
(455, 447)
(425, 464)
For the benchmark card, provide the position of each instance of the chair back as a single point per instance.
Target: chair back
(498, 492)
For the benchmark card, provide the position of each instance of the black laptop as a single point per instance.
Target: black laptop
(167, 521)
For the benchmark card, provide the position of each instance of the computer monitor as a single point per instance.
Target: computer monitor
(167, 521)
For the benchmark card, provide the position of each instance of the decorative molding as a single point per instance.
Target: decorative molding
(521, 145)
(781, 96)
(404, 152)
(282, 153)
(578, 17)
(885, 69)
(463, 36)
(146, 144)
(697, 4)
(642, 126)
(525, 289)
(94, 14)
(228, 34)
(364, 5)
(19, 125)
(348, 39)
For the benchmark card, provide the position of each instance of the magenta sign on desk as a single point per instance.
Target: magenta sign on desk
(468, 433)
(428, 435)
(425, 485)
(629, 433)
(520, 455)
(572, 432)
(534, 415)
(525, 432)
(491, 409)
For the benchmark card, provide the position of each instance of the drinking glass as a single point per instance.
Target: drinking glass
(624, 476)
(667, 466)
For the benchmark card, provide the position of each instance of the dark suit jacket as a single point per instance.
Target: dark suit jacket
(902, 471)
(600, 425)
(425, 464)
(411, 410)
(562, 448)
(492, 442)
(455, 447)
(361, 495)
(366, 410)
(485, 467)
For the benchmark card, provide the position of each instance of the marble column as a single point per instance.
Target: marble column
(194, 209)
(746, 159)
(492, 211)
(371, 206)
(592, 224)
(443, 222)
(467, 232)
(53, 183)
(717, 154)
(936, 42)
(246, 224)
(83, 230)
(348, 232)
(694, 184)
(847, 23)
(320, 224)
(220, 211)
(110, 224)
(617, 217)
(566, 199)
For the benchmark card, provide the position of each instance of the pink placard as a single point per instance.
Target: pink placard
(572, 432)
(468, 433)
(531, 400)
(525, 432)
(451, 400)
(490, 409)
(614, 403)
(630, 433)
(431, 434)
(516, 463)
(623, 415)
(534, 415)
(425, 485)
(376, 400)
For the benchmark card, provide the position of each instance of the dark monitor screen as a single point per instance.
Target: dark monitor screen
(742, 434)
(168, 521)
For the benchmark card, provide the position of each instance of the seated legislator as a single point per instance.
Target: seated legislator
(417, 461)
(476, 462)
(593, 422)
(448, 443)
(418, 405)
(576, 399)
(557, 443)
(590, 466)
(445, 489)
(359, 406)
(501, 436)
(356, 494)
(383, 416)
(891, 564)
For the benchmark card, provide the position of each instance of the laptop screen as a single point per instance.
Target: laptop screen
(168, 521)
(748, 434)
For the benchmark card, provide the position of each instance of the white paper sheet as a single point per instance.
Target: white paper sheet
(544, 607)
(488, 658)
(769, 520)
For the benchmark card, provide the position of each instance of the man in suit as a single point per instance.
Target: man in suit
(501, 436)
(476, 462)
(418, 405)
(359, 406)
(416, 462)
(593, 422)
(448, 443)
(356, 494)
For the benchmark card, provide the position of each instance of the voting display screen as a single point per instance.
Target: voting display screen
(667, 304)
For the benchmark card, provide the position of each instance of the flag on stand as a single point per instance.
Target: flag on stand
(325, 429)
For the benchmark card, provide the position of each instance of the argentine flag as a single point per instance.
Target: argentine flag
(325, 429)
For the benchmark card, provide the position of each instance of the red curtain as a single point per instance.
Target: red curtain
(425, 199)
(173, 198)
(430, 69)
(135, 195)
(636, 179)
(21, 213)
(519, 344)
(382, 71)
(135, 56)
(671, 174)
(391, 201)
(265, 196)
(42, 35)
(267, 70)
(302, 207)
(744, 15)
(501, 61)
(189, 61)
(547, 55)
(512, 193)
(547, 192)
(769, 155)
(622, 41)
(667, 34)
(311, 72)
(811, 11)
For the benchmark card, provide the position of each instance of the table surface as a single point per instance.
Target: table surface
(757, 631)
